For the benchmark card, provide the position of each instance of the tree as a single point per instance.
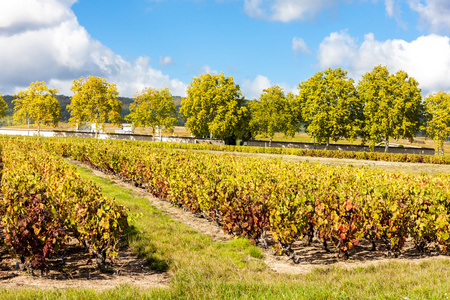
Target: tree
(153, 108)
(214, 106)
(3, 107)
(273, 112)
(330, 106)
(437, 113)
(37, 104)
(392, 106)
(95, 101)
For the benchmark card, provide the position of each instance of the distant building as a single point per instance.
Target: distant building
(126, 129)
(88, 128)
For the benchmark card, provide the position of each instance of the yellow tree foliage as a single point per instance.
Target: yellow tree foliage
(437, 112)
(215, 106)
(3, 107)
(392, 105)
(330, 106)
(95, 101)
(37, 104)
(273, 112)
(153, 108)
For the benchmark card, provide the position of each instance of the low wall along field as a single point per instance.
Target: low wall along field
(114, 136)
(343, 147)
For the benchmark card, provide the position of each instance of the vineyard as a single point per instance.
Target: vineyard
(254, 198)
(45, 204)
(272, 202)
(376, 156)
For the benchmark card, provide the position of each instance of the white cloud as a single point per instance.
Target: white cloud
(291, 10)
(164, 61)
(390, 8)
(336, 49)
(285, 10)
(43, 41)
(427, 58)
(21, 15)
(393, 10)
(434, 13)
(207, 70)
(252, 89)
(135, 76)
(253, 8)
(298, 44)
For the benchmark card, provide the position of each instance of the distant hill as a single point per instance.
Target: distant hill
(8, 100)
(65, 100)
(177, 100)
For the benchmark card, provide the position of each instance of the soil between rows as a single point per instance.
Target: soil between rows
(73, 269)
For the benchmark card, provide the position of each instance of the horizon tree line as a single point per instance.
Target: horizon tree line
(329, 106)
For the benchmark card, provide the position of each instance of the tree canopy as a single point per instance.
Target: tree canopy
(95, 101)
(37, 104)
(3, 107)
(330, 106)
(392, 105)
(273, 112)
(214, 106)
(153, 108)
(437, 113)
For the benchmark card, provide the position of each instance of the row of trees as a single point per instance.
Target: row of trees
(330, 106)
(95, 101)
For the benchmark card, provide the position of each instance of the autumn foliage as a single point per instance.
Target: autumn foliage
(252, 197)
(46, 203)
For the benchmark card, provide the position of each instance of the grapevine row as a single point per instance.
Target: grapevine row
(252, 197)
(46, 203)
(376, 156)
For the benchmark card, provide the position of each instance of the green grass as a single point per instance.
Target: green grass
(168, 245)
(204, 269)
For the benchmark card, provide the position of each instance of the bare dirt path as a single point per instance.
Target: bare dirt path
(76, 273)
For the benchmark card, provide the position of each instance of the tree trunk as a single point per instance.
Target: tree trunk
(270, 142)
(39, 129)
(328, 143)
(386, 146)
(97, 131)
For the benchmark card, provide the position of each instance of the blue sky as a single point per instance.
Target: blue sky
(164, 43)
